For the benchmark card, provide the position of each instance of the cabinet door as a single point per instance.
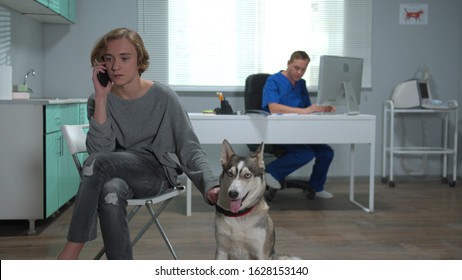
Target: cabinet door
(65, 8)
(43, 2)
(68, 175)
(70, 113)
(71, 13)
(52, 11)
(52, 169)
(62, 179)
(83, 119)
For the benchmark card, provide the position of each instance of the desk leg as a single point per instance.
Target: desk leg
(384, 145)
(392, 148)
(445, 146)
(352, 172)
(371, 177)
(454, 157)
(188, 197)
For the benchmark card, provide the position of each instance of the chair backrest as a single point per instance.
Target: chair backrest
(253, 91)
(75, 138)
(253, 94)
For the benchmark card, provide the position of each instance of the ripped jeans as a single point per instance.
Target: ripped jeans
(109, 179)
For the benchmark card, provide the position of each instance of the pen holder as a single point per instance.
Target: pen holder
(225, 108)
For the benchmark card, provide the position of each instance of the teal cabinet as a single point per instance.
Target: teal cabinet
(37, 173)
(51, 11)
(65, 8)
(62, 178)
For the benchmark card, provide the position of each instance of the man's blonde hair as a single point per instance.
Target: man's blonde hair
(299, 55)
(101, 46)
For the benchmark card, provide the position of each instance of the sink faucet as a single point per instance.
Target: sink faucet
(30, 72)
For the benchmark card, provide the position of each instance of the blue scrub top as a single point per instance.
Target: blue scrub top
(278, 89)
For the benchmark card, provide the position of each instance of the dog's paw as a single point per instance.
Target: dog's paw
(285, 257)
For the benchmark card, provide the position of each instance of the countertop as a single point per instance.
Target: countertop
(44, 101)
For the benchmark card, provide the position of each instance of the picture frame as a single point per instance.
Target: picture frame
(413, 14)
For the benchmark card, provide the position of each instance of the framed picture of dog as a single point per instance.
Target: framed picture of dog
(413, 14)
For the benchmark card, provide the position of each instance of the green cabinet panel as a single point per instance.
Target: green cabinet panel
(70, 114)
(52, 167)
(51, 11)
(83, 113)
(61, 179)
(52, 118)
(65, 8)
(43, 2)
(69, 178)
(71, 13)
(54, 5)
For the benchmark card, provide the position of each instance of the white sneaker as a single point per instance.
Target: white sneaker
(272, 182)
(324, 194)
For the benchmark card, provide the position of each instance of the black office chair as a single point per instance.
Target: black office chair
(253, 94)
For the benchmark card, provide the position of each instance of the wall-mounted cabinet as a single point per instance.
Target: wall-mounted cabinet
(51, 11)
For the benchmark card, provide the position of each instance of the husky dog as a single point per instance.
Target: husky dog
(243, 227)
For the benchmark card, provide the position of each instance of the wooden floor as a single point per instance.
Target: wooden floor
(418, 219)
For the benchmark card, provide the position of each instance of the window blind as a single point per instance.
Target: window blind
(5, 37)
(214, 45)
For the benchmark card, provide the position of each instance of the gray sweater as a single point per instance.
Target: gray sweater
(157, 126)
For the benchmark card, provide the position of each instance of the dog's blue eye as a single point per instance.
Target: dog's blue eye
(229, 173)
(247, 176)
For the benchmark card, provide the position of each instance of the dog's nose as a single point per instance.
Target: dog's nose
(233, 194)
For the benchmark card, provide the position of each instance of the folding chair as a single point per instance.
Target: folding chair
(75, 138)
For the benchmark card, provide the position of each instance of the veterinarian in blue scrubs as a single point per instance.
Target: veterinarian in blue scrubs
(286, 92)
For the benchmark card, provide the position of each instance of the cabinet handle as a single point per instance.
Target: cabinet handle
(61, 144)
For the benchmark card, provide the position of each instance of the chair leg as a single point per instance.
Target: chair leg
(154, 219)
(154, 216)
(100, 254)
(269, 194)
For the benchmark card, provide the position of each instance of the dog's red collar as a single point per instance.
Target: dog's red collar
(231, 214)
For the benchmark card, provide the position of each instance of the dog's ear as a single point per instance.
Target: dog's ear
(226, 152)
(259, 154)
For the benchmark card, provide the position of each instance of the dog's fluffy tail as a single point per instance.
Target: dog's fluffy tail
(285, 257)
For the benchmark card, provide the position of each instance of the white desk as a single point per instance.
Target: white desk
(291, 129)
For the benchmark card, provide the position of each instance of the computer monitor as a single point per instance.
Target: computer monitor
(340, 82)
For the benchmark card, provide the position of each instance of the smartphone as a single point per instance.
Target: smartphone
(103, 78)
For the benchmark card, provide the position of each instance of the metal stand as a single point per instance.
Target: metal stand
(391, 150)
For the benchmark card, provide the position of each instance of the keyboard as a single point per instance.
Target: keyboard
(435, 105)
(327, 113)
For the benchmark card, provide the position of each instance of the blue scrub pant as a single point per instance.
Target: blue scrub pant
(297, 156)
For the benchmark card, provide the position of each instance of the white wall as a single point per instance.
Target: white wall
(23, 48)
(68, 47)
(397, 51)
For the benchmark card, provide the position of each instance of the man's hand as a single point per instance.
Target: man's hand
(315, 108)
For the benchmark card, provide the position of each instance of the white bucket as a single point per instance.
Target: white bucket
(6, 82)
